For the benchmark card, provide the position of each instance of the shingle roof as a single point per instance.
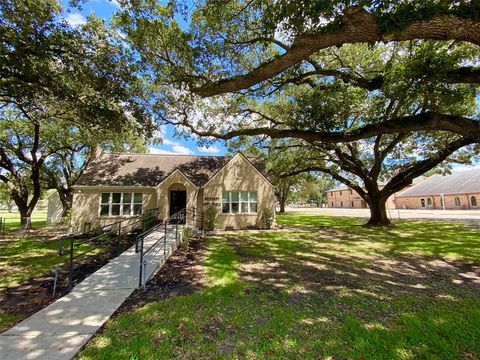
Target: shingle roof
(151, 169)
(462, 182)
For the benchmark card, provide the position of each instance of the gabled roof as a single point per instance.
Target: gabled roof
(462, 182)
(152, 169)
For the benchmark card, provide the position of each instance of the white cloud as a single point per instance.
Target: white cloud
(179, 149)
(75, 19)
(170, 142)
(154, 150)
(209, 149)
(461, 168)
(176, 150)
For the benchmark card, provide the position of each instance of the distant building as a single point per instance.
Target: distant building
(344, 197)
(460, 190)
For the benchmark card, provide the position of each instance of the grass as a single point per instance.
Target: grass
(322, 288)
(12, 219)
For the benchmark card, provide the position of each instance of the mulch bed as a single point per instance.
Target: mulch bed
(35, 294)
(180, 275)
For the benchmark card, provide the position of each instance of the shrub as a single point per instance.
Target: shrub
(210, 215)
(148, 220)
(266, 218)
(187, 234)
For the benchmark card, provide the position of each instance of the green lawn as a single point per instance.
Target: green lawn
(321, 288)
(12, 219)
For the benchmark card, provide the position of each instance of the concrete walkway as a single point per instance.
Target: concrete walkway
(62, 328)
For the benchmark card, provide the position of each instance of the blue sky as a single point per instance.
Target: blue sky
(171, 144)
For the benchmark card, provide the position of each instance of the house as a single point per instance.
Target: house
(121, 186)
(344, 197)
(460, 190)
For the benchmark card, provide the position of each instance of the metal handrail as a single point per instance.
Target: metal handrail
(141, 237)
(117, 234)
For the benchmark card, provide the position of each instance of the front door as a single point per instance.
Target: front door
(178, 201)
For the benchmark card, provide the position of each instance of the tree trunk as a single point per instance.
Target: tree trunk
(378, 212)
(66, 198)
(282, 206)
(25, 217)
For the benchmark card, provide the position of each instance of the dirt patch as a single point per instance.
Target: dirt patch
(182, 274)
(35, 294)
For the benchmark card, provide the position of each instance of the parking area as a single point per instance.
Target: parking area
(394, 214)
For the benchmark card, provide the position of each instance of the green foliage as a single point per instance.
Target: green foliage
(149, 219)
(187, 234)
(210, 214)
(266, 218)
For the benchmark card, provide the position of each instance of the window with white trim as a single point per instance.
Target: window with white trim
(239, 202)
(120, 204)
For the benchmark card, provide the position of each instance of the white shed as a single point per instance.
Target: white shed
(55, 208)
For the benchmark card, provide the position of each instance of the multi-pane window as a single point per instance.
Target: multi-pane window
(457, 201)
(120, 204)
(236, 202)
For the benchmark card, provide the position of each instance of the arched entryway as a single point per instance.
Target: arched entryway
(177, 197)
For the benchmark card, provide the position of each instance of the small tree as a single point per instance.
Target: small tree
(210, 214)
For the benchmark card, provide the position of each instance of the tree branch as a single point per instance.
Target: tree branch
(357, 26)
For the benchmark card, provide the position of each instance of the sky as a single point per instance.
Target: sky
(171, 144)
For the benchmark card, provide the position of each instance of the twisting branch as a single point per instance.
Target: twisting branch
(357, 26)
(426, 121)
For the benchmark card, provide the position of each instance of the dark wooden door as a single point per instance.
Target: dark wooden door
(178, 201)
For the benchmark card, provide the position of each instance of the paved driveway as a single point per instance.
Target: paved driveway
(394, 214)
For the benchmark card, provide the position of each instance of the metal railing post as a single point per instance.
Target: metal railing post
(70, 267)
(55, 280)
(144, 274)
(165, 239)
(193, 217)
(118, 238)
(141, 265)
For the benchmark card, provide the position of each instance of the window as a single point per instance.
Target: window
(340, 193)
(351, 192)
(457, 201)
(422, 202)
(429, 202)
(120, 204)
(341, 203)
(473, 201)
(235, 202)
(352, 204)
(332, 204)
